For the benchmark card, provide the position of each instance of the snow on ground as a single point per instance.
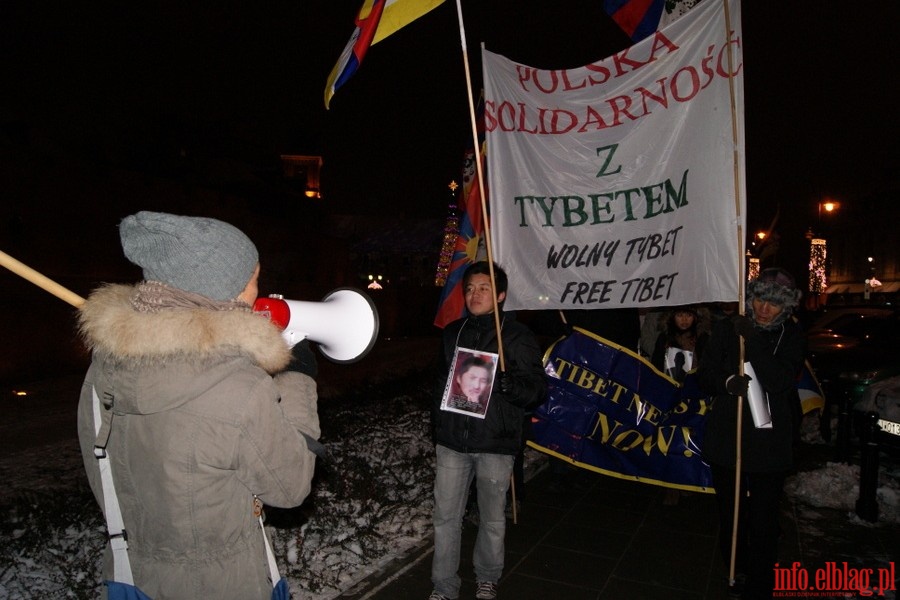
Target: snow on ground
(370, 505)
(836, 485)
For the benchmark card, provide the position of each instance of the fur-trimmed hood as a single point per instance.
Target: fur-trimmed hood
(109, 324)
(194, 427)
(703, 318)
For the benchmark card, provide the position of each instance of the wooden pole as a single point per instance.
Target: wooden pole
(479, 169)
(512, 489)
(740, 256)
(40, 280)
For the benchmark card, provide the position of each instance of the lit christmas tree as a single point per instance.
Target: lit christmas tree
(451, 231)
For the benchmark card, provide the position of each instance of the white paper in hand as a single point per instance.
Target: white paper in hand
(758, 399)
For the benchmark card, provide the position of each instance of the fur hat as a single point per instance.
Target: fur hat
(194, 254)
(776, 286)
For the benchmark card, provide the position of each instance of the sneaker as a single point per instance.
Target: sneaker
(436, 595)
(486, 590)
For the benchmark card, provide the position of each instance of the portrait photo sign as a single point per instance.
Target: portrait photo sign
(469, 384)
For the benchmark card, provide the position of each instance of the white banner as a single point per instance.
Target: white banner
(613, 184)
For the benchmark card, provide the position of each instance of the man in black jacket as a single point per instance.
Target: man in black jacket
(482, 447)
(775, 347)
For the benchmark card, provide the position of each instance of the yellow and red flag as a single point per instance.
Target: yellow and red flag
(376, 20)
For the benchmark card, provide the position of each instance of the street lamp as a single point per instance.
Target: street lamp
(871, 282)
(829, 206)
(818, 250)
(758, 238)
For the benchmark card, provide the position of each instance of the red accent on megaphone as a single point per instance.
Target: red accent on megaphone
(276, 309)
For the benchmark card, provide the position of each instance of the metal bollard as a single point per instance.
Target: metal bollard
(867, 503)
(842, 444)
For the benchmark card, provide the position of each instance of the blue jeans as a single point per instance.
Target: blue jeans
(455, 471)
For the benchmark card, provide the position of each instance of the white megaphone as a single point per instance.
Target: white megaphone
(344, 323)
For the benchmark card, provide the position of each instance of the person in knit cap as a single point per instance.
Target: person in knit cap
(203, 410)
(775, 347)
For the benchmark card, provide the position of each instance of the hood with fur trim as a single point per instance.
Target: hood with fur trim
(109, 325)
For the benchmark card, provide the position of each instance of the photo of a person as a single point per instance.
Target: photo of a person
(469, 388)
(473, 379)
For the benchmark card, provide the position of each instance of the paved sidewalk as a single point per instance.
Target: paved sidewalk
(593, 537)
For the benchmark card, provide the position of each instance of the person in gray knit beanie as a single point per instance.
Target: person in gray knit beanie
(203, 411)
(195, 254)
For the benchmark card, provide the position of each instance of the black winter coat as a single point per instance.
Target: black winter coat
(501, 431)
(777, 357)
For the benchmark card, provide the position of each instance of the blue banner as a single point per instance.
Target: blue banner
(609, 410)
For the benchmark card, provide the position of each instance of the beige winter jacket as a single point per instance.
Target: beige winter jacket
(199, 426)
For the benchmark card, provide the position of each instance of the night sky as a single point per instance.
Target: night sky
(139, 83)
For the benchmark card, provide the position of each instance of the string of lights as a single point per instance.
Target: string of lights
(451, 232)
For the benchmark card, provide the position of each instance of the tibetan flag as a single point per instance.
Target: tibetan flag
(376, 20)
(640, 18)
(470, 243)
(811, 395)
(400, 13)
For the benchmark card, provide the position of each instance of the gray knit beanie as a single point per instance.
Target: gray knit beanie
(194, 254)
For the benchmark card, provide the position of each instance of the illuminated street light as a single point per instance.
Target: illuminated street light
(871, 282)
(829, 206)
(818, 264)
(758, 239)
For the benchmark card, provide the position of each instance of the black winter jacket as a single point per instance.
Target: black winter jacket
(501, 431)
(777, 357)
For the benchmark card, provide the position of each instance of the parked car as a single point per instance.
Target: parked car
(882, 398)
(850, 357)
(832, 317)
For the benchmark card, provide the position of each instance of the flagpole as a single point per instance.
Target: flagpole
(40, 280)
(480, 173)
(740, 269)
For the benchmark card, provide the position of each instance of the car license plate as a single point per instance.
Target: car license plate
(889, 427)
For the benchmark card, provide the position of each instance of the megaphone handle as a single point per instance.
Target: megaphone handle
(292, 338)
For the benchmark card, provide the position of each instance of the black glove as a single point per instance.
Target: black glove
(303, 360)
(507, 384)
(743, 326)
(314, 446)
(737, 385)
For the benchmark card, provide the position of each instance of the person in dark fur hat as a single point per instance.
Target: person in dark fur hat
(775, 347)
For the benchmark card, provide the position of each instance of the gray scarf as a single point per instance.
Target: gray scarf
(155, 296)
